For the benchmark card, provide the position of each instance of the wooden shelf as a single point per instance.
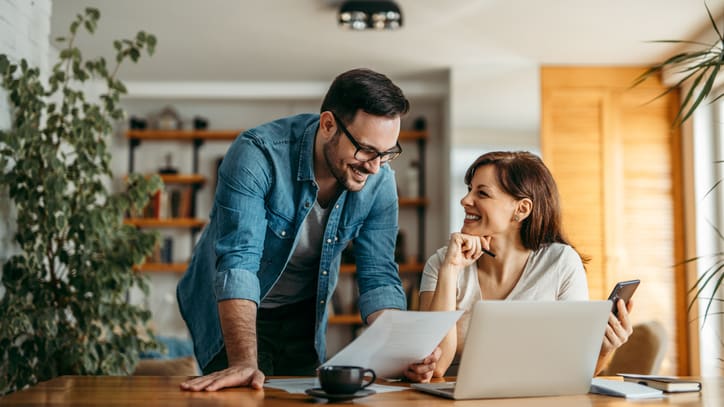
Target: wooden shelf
(165, 223)
(406, 135)
(404, 268)
(165, 135)
(189, 179)
(162, 267)
(412, 202)
(344, 268)
(345, 319)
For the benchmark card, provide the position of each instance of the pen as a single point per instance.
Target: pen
(488, 252)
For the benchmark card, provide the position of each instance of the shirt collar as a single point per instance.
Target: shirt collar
(305, 172)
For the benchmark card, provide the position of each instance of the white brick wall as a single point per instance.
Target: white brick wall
(24, 33)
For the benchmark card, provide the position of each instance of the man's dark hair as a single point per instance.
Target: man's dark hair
(364, 89)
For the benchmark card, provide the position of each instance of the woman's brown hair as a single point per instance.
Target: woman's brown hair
(524, 175)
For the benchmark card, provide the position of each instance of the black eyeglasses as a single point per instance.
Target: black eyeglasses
(365, 154)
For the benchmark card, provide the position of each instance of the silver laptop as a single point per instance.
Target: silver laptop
(528, 349)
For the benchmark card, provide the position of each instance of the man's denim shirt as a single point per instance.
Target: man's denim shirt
(265, 190)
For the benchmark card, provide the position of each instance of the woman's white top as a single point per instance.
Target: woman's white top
(553, 272)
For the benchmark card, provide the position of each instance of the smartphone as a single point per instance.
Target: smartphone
(623, 290)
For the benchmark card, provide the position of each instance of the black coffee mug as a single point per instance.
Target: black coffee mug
(344, 379)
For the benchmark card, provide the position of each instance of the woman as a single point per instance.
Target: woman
(510, 247)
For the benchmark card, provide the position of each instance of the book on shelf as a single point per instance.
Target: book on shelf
(157, 205)
(152, 207)
(167, 250)
(669, 384)
(174, 202)
(155, 256)
(184, 209)
(180, 202)
(169, 203)
(163, 211)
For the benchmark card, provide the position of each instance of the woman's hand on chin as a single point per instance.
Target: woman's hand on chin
(464, 249)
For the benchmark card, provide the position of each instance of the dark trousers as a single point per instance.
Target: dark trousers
(285, 342)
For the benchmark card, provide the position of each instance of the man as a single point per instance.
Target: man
(291, 194)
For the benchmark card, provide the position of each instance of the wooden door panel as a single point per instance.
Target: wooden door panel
(612, 151)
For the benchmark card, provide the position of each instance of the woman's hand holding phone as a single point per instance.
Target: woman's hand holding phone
(623, 290)
(619, 327)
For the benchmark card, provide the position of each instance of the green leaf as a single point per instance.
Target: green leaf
(93, 13)
(135, 54)
(151, 44)
(4, 63)
(713, 22)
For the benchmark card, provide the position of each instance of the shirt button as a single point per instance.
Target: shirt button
(336, 238)
(324, 273)
(321, 302)
(307, 204)
(329, 240)
(284, 232)
(336, 206)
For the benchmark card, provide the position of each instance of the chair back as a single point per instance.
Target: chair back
(642, 353)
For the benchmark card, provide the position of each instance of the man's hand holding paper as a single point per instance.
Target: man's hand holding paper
(399, 343)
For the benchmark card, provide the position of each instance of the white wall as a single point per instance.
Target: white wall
(24, 31)
(492, 107)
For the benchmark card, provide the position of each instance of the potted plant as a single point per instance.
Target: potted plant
(65, 308)
(697, 71)
(697, 68)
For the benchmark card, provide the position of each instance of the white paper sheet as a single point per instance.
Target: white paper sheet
(396, 339)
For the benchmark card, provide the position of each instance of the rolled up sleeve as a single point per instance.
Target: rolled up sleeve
(237, 284)
(241, 222)
(383, 297)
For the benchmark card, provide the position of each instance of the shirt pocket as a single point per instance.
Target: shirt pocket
(280, 227)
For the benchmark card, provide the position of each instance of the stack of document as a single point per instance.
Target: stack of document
(620, 388)
(669, 384)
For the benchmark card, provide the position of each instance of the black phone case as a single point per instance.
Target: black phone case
(622, 290)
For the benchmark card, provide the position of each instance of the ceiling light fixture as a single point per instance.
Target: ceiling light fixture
(370, 15)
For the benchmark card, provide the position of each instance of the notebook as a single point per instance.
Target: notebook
(619, 388)
(527, 349)
(669, 384)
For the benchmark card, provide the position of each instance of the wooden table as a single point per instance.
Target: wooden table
(147, 391)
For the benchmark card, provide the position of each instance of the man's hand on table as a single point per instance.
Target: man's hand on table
(233, 376)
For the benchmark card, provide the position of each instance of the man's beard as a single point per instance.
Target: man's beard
(339, 173)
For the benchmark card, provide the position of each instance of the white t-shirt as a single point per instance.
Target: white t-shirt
(298, 282)
(553, 272)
